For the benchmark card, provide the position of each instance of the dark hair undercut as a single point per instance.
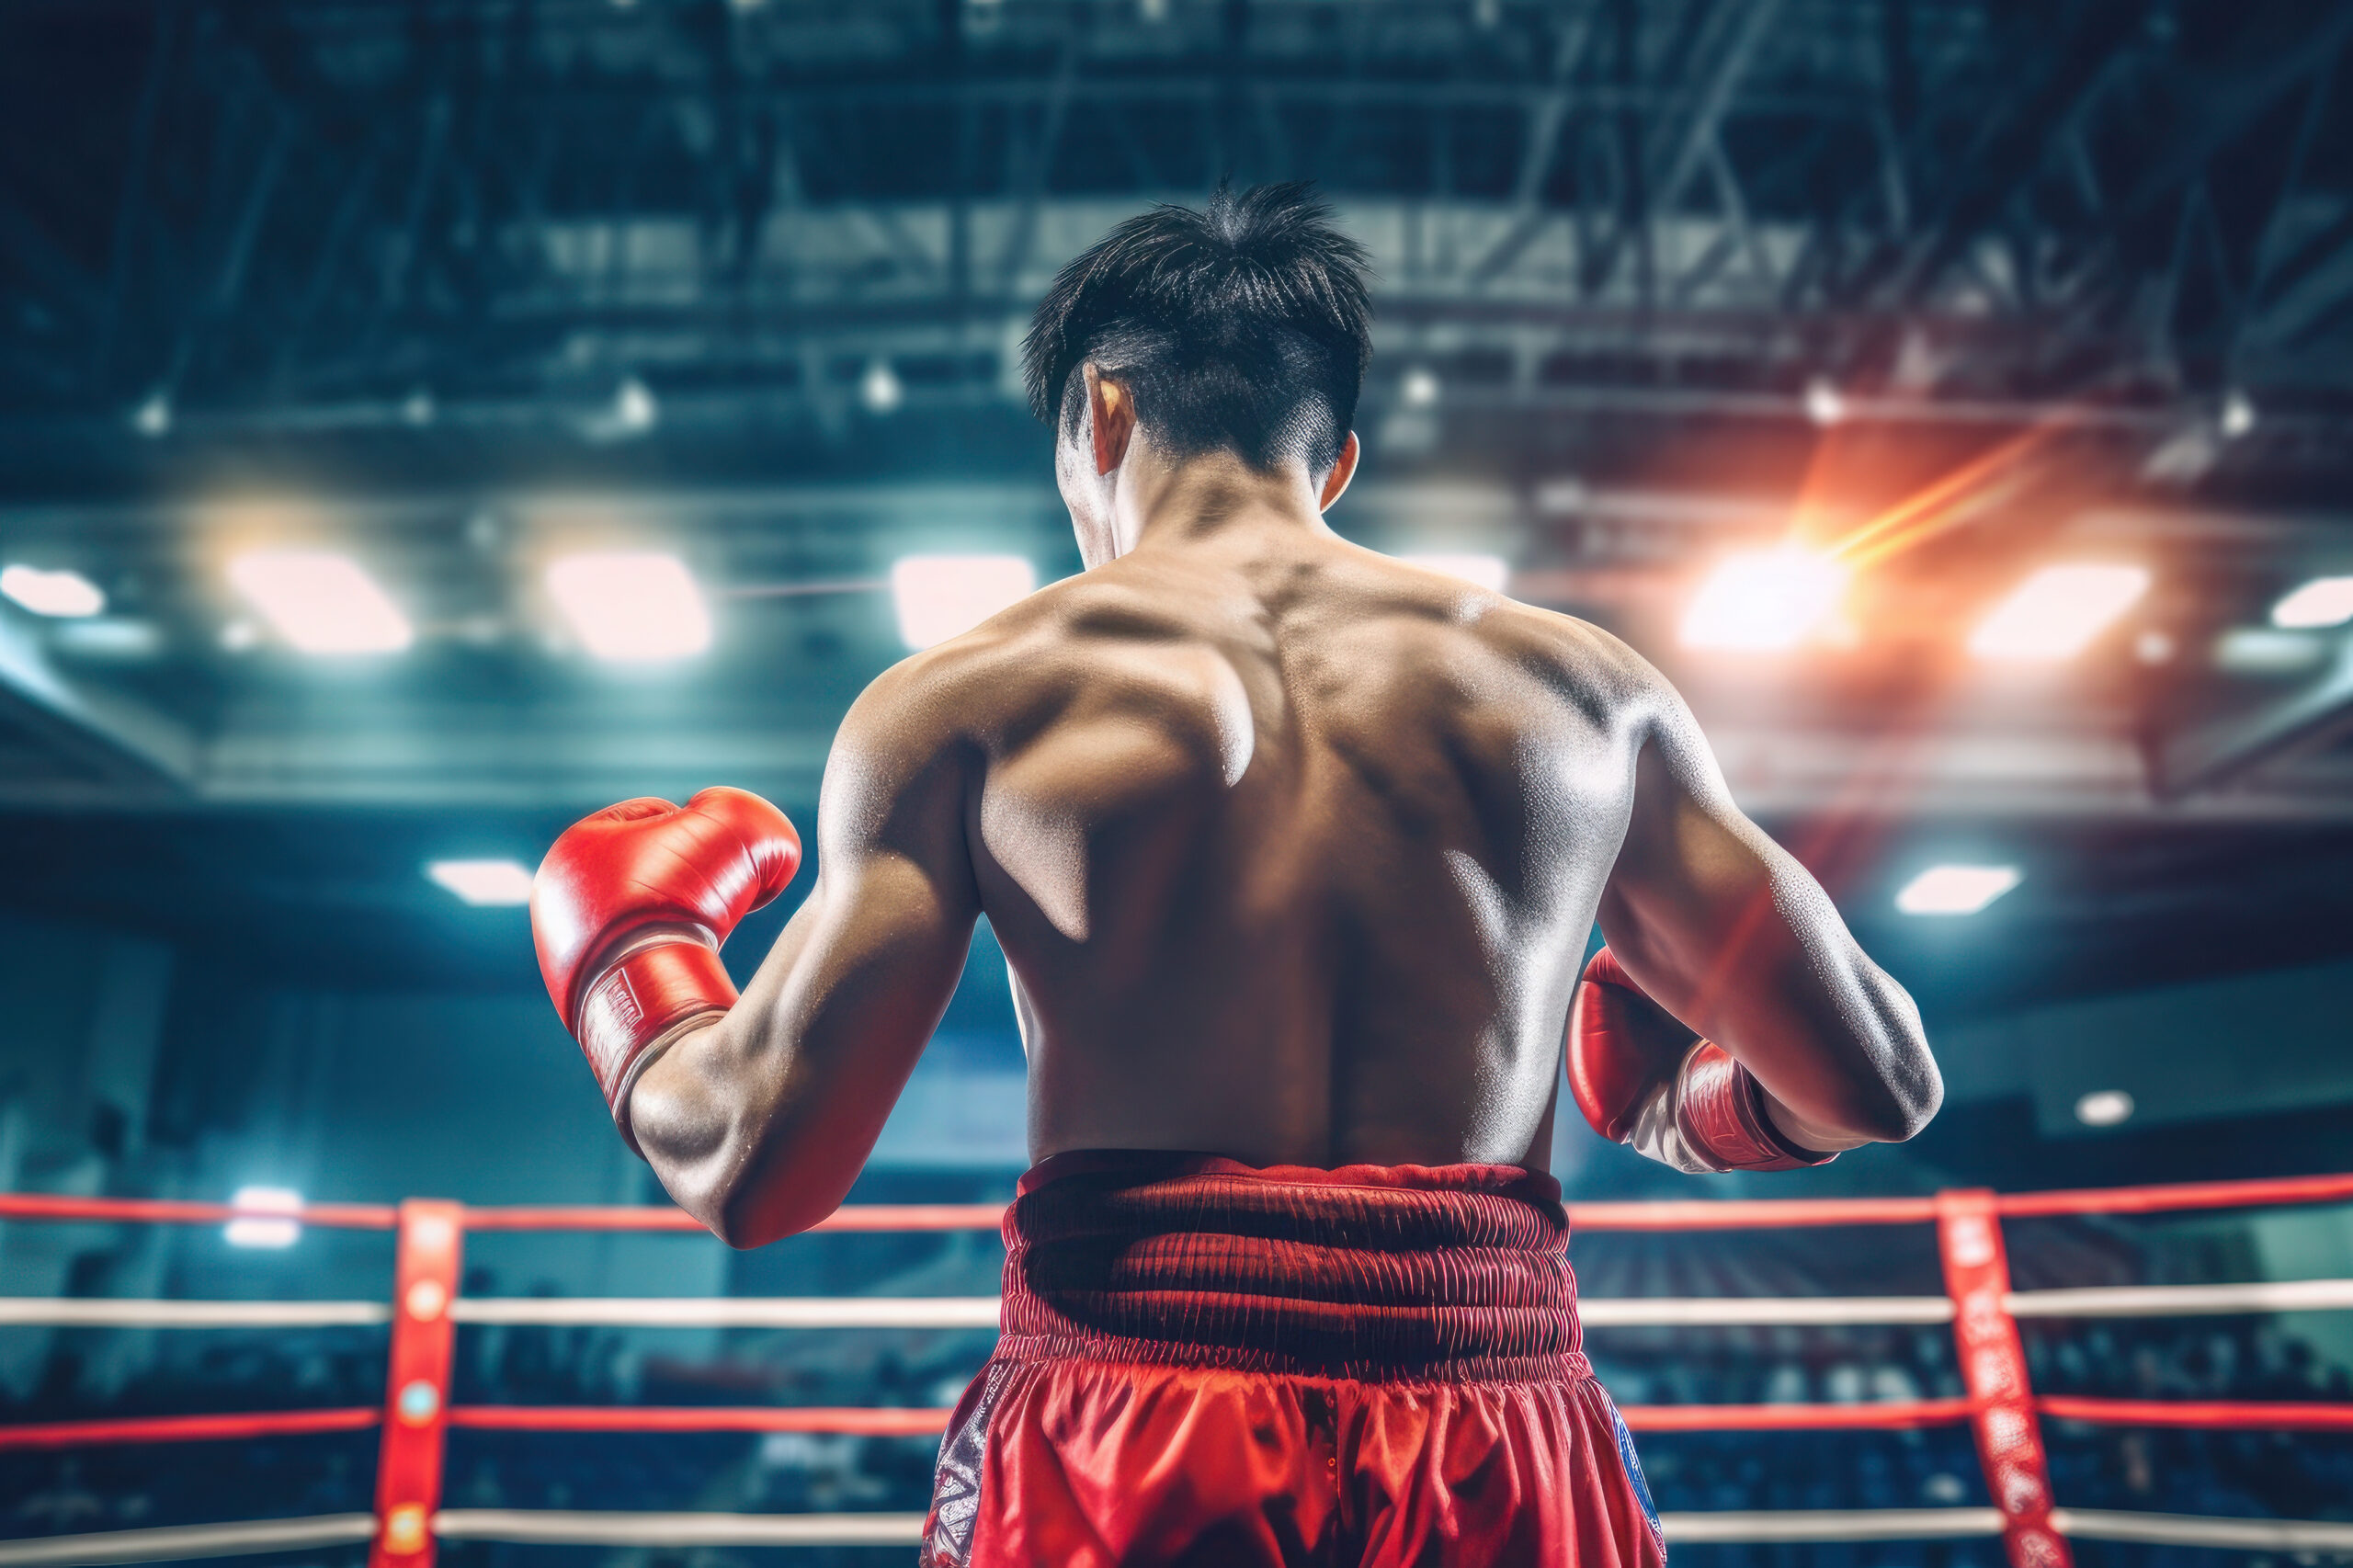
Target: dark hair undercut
(1240, 327)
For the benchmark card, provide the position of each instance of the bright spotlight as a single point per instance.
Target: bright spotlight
(2055, 614)
(1956, 890)
(2324, 601)
(634, 410)
(1488, 572)
(1764, 599)
(878, 389)
(939, 596)
(1824, 404)
(1419, 389)
(631, 605)
(271, 1220)
(320, 602)
(153, 417)
(484, 883)
(52, 593)
(2104, 1108)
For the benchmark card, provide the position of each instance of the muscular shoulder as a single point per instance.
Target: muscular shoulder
(1022, 666)
(1577, 662)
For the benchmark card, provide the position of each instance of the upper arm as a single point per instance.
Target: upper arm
(771, 1113)
(1696, 883)
(1728, 932)
(868, 964)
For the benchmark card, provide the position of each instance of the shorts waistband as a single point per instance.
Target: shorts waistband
(1449, 1273)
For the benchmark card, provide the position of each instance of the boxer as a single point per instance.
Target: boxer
(1293, 850)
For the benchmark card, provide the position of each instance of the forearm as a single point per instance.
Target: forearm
(725, 1128)
(758, 1121)
(1810, 1134)
(1837, 1047)
(1726, 931)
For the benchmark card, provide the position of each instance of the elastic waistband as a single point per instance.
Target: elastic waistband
(1452, 1273)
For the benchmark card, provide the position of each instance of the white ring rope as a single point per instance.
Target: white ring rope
(536, 1526)
(2184, 1301)
(549, 1527)
(2190, 1529)
(1764, 1525)
(1687, 1312)
(981, 1312)
(173, 1542)
(51, 1312)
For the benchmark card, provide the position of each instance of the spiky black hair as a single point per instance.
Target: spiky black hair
(1242, 326)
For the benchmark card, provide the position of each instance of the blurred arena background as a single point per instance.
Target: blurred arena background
(422, 423)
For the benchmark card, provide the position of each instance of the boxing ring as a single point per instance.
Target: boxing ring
(424, 1309)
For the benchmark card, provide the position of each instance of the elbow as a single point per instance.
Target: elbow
(746, 1229)
(1897, 1099)
(1889, 1107)
(741, 1230)
(1908, 1098)
(779, 1204)
(1903, 1117)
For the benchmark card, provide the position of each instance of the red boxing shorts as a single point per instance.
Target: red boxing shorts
(1211, 1364)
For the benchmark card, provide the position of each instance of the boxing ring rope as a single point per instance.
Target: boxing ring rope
(425, 1310)
(980, 1312)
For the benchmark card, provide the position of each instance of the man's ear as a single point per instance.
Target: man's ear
(1336, 484)
(1111, 418)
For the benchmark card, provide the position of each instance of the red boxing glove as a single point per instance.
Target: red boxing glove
(629, 910)
(1645, 1081)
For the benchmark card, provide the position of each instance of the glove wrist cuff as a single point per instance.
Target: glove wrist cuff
(638, 1002)
(1720, 1110)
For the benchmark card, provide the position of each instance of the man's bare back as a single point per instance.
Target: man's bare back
(1293, 849)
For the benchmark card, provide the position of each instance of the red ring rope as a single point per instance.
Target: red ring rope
(1744, 1213)
(2226, 1415)
(176, 1212)
(1702, 1215)
(627, 1217)
(1886, 1415)
(2177, 1195)
(189, 1429)
(842, 1421)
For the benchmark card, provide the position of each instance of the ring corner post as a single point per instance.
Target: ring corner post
(1994, 1370)
(430, 1252)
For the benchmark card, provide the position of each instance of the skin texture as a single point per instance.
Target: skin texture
(1293, 849)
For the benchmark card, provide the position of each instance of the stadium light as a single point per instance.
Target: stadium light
(631, 605)
(1763, 600)
(488, 884)
(2104, 1108)
(940, 596)
(271, 1223)
(634, 410)
(1956, 890)
(879, 388)
(321, 602)
(1488, 572)
(2054, 614)
(153, 417)
(52, 593)
(2322, 602)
